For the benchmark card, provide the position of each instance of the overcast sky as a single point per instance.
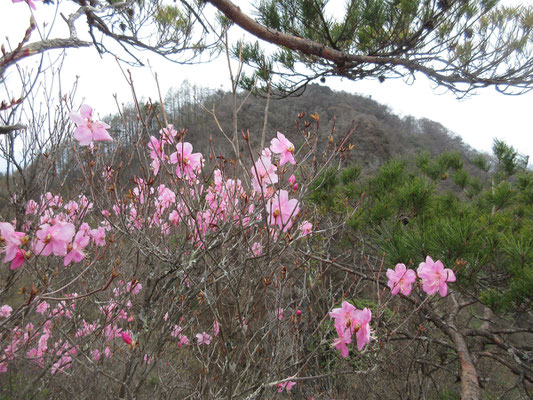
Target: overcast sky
(478, 119)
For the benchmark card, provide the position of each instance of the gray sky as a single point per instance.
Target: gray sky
(478, 119)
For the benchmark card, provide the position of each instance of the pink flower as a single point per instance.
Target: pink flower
(98, 235)
(362, 319)
(306, 228)
(281, 145)
(42, 307)
(349, 320)
(31, 207)
(281, 210)
(95, 355)
(189, 163)
(18, 260)
(341, 342)
(168, 134)
(30, 3)
(285, 386)
(263, 174)
(157, 153)
(175, 331)
(183, 340)
(12, 242)
(203, 338)
(344, 318)
(292, 179)
(257, 249)
(75, 249)
(279, 313)
(401, 279)
(216, 328)
(88, 130)
(5, 311)
(54, 239)
(134, 286)
(126, 337)
(434, 277)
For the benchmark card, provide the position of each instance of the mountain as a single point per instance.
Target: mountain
(379, 134)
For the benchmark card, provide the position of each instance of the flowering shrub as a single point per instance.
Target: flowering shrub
(178, 264)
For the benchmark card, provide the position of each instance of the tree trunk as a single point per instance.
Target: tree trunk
(469, 380)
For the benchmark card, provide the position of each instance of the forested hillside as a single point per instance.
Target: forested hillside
(378, 135)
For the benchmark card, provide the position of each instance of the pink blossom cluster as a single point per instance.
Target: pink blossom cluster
(58, 228)
(225, 200)
(56, 233)
(348, 322)
(433, 275)
(39, 338)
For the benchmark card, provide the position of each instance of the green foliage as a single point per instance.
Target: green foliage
(509, 160)
(460, 177)
(321, 189)
(501, 195)
(481, 162)
(476, 40)
(483, 231)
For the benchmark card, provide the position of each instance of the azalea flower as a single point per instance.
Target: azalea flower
(349, 320)
(292, 179)
(204, 338)
(157, 153)
(401, 279)
(18, 260)
(434, 276)
(30, 3)
(12, 241)
(285, 386)
(344, 317)
(88, 130)
(75, 249)
(281, 210)
(362, 320)
(263, 173)
(5, 311)
(54, 238)
(189, 163)
(183, 340)
(42, 307)
(95, 355)
(282, 146)
(257, 249)
(306, 228)
(341, 342)
(126, 337)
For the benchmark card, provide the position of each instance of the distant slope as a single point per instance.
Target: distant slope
(379, 133)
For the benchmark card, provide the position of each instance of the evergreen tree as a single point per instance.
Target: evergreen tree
(458, 44)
